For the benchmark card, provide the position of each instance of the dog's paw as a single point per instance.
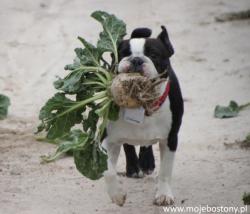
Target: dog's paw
(135, 174)
(133, 171)
(114, 189)
(119, 198)
(147, 166)
(164, 195)
(148, 171)
(163, 200)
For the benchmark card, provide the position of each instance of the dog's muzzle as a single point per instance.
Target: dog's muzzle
(137, 64)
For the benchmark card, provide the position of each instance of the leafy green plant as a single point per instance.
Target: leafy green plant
(246, 198)
(71, 141)
(4, 105)
(232, 110)
(245, 143)
(84, 98)
(248, 138)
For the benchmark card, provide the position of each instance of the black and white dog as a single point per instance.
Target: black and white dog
(151, 57)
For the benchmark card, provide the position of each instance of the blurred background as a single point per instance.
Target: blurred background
(211, 60)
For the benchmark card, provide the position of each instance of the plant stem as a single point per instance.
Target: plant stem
(104, 122)
(94, 83)
(103, 108)
(81, 104)
(242, 107)
(105, 63)
(94, 68)
(44, 139)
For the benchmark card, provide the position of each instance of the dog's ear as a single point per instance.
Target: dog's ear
(163, 36)
(141, 33)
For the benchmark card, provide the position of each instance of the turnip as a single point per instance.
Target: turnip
(132, 90)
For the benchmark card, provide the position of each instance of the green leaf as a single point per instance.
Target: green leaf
(44, 139)
(76, 64)
(91, 161)
(104, 108)
(114, 30)
(90, 55)
(246, 198)
(56, 125)
(76, 139)
(248, 137)
(71, 84)
(59, 114)
(4, 105)
(113, 112)
(91, 121)
(232, 110)
(244, 106)
(77, 80)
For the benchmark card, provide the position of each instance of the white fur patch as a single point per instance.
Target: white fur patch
(154, 128)
(149, 68)
(137, 47)
(115, 192)
(124, 65)
(164, 195)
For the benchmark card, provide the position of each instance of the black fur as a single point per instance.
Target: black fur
(163, 36)
(145, 162)
(176, 107)
(146, 159)
(141, 33)
(132, 165)
(159, 50)
(123, 49)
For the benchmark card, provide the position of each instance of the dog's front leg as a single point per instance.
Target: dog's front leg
(164, 195)
(113, 187)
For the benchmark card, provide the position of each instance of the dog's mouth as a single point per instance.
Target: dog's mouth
(132, 69)
(136, 69)
(140, 65)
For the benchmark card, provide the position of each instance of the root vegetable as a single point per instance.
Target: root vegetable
(132, 90)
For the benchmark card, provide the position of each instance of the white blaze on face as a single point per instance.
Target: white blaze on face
(137, 47)
(137, 50)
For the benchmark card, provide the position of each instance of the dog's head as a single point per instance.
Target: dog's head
(150, 56)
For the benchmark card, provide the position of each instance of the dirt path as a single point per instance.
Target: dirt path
(37, 39)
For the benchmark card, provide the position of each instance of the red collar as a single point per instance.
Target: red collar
(157, 104)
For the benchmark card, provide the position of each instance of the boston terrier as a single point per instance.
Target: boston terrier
(150, 56)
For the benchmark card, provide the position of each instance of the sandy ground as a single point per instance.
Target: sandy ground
(37, 39)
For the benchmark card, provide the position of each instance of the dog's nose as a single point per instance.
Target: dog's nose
(137, 63)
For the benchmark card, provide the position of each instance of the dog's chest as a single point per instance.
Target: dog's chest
(154, 128)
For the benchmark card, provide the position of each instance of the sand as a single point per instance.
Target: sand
(211, 59)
